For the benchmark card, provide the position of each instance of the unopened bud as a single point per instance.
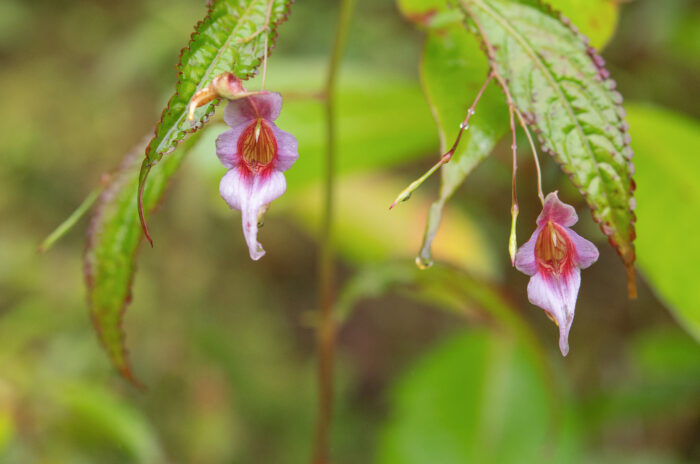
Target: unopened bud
(225, 85)
(513, 241)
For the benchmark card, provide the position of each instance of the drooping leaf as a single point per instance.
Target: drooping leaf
(231, 38)
(559, 83)
(112, 243)
(667, 146)
(453, 68)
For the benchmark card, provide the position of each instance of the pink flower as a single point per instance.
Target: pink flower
(554, 257)
(256, 153)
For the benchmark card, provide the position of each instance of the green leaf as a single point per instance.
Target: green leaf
(560, 86)
(596, 19)
(453, 70)
(475, 398)
(666, 156)
(113, 240)
(231, 38)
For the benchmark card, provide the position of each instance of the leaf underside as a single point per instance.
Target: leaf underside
(559, 84)
(231, 38)
(113, 240)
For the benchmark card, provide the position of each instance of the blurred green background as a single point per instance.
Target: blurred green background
(449, 365)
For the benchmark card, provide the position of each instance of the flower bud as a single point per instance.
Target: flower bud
(225, 85)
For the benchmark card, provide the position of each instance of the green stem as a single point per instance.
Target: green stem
(325, 329)
(71, 220)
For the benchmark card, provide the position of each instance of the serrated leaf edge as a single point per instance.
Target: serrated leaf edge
(148, 161)
(628, 254)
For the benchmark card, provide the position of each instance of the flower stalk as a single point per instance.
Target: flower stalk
(444, 159)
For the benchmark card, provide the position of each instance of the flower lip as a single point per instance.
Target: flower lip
(256, 153)
(553, 258)
(257, 146)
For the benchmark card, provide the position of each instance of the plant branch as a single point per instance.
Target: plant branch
(444, 159)
(325, 329)
(514, 210)
(75, 216)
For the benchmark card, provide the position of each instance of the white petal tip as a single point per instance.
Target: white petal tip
(257, 255)
(564, 348)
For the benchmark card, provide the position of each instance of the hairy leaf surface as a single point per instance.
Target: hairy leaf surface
(230, 38)
(561, 87)
(112, 243)
(453, 68)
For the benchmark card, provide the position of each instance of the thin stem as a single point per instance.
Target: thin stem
(444, 159)
(514, 148)
(465, 124)
(325, 329)
(266, 28)
(514, 210)
(534, 155)
(73, 219)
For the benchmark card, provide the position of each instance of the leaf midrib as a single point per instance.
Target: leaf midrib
(553, 84)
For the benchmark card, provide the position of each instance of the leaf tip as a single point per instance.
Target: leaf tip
(126, 372)
(145, 169)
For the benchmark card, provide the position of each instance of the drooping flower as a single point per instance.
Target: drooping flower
(256, 152)
(554, 257)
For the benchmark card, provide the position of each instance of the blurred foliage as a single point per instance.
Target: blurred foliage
(668, 199)
(476, 398)
(224, 345)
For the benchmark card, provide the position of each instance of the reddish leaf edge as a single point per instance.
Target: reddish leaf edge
(117, 179)
(148, 163)
(627, 255)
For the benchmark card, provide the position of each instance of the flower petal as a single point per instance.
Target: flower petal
(248, 194)
(558, 298)
(586, 251)
(287, 149)
(266, 105)
(556, 211)
(525, 260)
(227, 146)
